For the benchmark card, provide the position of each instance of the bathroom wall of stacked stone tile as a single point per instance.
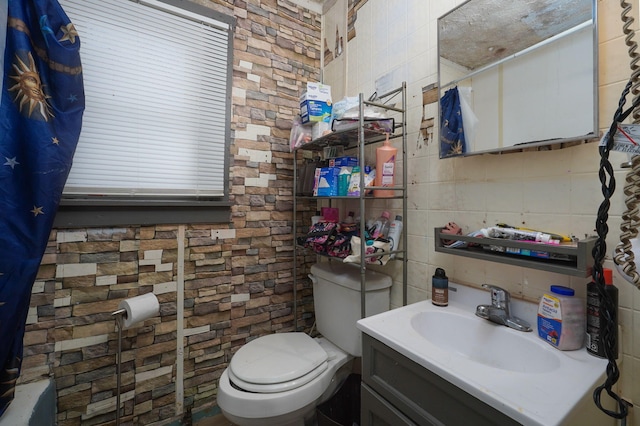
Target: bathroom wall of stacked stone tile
(554, 190)
(237, 277)
(239, 286)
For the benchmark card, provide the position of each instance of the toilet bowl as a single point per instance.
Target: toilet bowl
(280, 378)
(292, 401)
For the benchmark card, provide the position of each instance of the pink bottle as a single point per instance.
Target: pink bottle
(385, 168)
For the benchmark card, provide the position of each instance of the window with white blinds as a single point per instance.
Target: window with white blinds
(157, 82)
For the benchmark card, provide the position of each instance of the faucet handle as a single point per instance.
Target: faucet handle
(499, 296)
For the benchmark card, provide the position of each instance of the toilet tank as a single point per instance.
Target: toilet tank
(336, 299)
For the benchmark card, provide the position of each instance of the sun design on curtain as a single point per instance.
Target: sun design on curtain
(29, 88)
(41, 107)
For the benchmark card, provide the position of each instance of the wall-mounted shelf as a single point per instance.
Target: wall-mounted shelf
(579, 255)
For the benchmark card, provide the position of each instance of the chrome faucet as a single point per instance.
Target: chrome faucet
(499, 310)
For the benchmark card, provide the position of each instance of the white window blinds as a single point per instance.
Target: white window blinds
(155, 80)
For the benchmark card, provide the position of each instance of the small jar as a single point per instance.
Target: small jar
(561, 319)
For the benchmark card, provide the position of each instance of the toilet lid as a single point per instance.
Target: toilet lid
(277, 362)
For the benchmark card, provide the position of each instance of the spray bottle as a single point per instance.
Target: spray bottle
(382, 226)
(596, 315)
(440, 288)
(395, 231)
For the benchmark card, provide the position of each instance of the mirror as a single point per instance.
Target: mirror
(521, 74)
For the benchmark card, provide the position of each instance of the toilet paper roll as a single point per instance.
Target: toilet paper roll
(139, 308)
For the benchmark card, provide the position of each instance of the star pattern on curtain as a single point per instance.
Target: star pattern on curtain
(41, 108)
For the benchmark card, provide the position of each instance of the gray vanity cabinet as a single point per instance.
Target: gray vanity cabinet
(398, 391)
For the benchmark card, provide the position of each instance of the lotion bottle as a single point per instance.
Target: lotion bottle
(385, 169)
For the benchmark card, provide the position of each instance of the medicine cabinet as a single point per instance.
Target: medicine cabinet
(527, 70)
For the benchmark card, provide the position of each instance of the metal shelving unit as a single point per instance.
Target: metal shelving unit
(355, 140)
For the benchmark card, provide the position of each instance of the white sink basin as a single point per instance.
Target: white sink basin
(485, 342)
(515, 372)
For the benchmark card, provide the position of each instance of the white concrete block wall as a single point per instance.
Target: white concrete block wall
(555, 190)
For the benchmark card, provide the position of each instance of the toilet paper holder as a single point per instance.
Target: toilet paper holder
(119, 315)
(130, 311)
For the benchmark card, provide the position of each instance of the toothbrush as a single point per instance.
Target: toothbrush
(561, 238)
(515, 234)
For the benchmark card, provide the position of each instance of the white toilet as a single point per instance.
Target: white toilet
(280, 378)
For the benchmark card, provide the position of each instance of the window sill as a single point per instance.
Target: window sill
(76, 213)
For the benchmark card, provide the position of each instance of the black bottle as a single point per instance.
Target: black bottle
(596, 316)
(440, 288)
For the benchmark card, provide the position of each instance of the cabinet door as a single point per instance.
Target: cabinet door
(421, 395)
(375, 411)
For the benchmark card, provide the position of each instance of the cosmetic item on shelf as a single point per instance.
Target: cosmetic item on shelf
(519, 234)
(385, 168)
(354, 183)
(307, 176)
(343, 180)
(560, 238)
(597, 315)
(349, 225)
(382, 226)
(317, 218)
(330, 214)
(395, 232)
(350, 218)
(369, 179)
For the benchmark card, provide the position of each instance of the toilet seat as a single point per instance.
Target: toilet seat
(288, 407)
(277, 363)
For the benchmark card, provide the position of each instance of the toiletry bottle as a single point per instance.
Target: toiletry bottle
(350, 218)
(317, 218)
(596, 316)
(369, 179)
(440, 288)
(395, 231)
(385, 168)
(302, 174)
(348, 225)
(561, 319)
(382, 226)
(343, 181)
(354, 183)
(309, 176)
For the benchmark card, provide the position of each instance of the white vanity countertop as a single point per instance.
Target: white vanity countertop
(532, 398)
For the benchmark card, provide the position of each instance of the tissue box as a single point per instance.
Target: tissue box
(315, 103)
(326, 184)
(343, 161)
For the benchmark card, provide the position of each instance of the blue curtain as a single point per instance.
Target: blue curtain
(40, 119)
(452, 141)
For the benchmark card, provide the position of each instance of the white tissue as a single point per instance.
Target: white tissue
(139, 308)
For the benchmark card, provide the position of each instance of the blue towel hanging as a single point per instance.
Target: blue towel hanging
(452, 141)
